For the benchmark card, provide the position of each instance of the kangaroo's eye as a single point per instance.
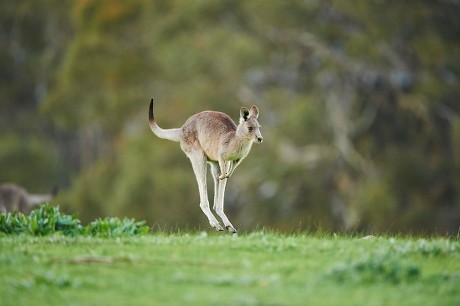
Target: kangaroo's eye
(250, 128)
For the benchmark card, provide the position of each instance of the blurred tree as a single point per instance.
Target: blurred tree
(32, 41)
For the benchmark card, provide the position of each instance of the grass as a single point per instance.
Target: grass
(260, 268)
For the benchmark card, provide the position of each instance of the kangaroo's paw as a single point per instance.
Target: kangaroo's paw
(218, 227)
(231, 229)
(224, 176)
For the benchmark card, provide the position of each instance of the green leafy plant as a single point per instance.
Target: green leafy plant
(13, 223)
(115, 227)
(47, 220)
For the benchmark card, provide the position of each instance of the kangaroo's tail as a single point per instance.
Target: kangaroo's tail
(169, 134)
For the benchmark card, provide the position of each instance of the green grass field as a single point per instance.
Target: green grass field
(260, 268)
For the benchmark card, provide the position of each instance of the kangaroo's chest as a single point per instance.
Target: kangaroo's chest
(235, 150)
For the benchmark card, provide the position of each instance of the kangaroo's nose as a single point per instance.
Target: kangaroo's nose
(260, 139)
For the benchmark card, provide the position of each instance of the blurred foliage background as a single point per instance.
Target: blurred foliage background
(359, 105)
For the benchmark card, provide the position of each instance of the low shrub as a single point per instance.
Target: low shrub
(47, 220)
(115, 227)
(13, 223)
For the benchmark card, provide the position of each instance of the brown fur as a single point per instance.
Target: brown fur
(14, 198)
(214, 138)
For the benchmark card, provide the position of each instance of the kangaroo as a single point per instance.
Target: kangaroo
(214, 138)
(15, 198)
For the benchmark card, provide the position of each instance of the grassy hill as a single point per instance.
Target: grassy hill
(260, 268)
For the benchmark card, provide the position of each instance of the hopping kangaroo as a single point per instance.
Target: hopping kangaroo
(212, 137)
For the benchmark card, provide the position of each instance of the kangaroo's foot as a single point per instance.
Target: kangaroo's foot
(231, 229)
(228, 226)
(217, 226)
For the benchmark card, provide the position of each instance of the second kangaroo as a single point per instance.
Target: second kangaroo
(214, 138)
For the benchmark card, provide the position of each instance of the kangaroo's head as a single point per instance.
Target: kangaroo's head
(249, 127)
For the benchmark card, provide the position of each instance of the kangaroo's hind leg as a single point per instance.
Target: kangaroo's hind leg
(219, 191)
(198, 160)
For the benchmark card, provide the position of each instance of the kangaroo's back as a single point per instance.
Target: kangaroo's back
(208, 130)
(12, 198)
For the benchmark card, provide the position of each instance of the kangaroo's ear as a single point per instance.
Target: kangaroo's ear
(244, 114)
(254, 112)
